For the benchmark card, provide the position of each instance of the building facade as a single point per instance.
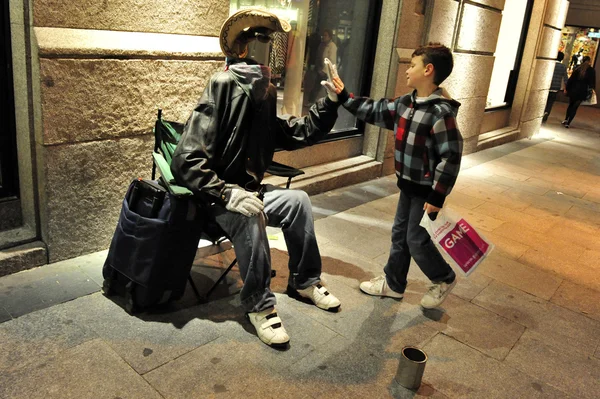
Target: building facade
(87, 79)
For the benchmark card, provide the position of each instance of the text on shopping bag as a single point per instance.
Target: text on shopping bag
(464, 245)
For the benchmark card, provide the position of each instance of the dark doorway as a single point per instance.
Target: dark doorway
(9, 176)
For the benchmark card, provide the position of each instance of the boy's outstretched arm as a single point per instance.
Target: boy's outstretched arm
(448, 144)
(381, 113)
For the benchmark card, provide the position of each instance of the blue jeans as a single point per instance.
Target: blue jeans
(290, 210)
(410, 239)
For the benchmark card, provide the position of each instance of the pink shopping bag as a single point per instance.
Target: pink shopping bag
(465, 246)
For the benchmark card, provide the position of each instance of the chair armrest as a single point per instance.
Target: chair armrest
(167, 176)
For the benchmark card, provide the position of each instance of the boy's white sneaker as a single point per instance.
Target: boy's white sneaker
(268, 327)
(436, 294)
(379, 287)
(320, 296)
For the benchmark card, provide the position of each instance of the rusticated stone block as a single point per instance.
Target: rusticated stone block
(479, 28)
(549, 43)
(401, 86)
(528, 129)
(84, 186)
(470, 145)
(494, 120)
(22, 257)
(536, 102)
(390, 144)
(470, 116)
(556, 13)
(542, 75)
(410, 27)
(203, 18)
(388, 167)
(497, 4)
(86, 43)
(85, 100)
(443, 20)
(471, 76)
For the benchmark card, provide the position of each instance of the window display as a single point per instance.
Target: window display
(336, 29)
(577, 42)
(506, 63)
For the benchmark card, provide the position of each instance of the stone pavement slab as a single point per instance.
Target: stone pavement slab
(517, 218)
(559, 327)
(587, 275)
(526, 278)
(344, 369)
(508, 247)
(472, 325)
(469, 287)
(572, 372)
(338, 230)
(36, 336)
(565, 187)
(585, 215)
(462, 372)
(579, 299)
(90, 370)
(463, 200)
(39, 288)
(219, 367)
(477, 219)
(165, 336)
(306, 333)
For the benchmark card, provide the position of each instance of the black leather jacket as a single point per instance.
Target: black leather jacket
(231, 138)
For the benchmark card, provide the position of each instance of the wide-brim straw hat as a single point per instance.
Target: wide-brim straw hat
(242, 21)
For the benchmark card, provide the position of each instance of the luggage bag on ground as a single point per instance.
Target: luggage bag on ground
(153, 248)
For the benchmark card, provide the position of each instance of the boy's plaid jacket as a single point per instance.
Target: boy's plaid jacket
(428, 147)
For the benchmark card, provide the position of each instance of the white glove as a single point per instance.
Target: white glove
(244, 202)
(333, 84)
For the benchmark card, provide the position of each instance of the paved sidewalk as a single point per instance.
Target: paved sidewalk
(526, 324)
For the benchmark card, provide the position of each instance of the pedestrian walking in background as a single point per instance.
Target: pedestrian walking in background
(579, 86)
(559, 82)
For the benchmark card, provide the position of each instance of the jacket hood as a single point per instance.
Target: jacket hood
(436, 98)
(252, 77)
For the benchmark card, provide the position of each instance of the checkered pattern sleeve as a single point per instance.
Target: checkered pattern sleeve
(380, 113)
(448, 144)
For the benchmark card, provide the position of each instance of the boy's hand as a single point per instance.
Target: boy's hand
(431, 210)
(333, 84)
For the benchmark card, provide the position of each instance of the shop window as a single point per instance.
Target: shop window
(342, 30)
(509, 49)
(578, 42)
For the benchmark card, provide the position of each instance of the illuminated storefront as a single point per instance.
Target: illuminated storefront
(334, 28)
(578, 42)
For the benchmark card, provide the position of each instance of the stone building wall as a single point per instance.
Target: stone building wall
(101, 69)
(104, 69)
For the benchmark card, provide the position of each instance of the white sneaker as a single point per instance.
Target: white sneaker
(436, 294)
(319, 295)
(268, 327)
(379, 287)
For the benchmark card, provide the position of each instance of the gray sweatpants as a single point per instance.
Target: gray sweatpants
(291, 211)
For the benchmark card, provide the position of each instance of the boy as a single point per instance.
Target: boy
(427, 155)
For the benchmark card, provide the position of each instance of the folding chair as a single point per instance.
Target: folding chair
(166, 137)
